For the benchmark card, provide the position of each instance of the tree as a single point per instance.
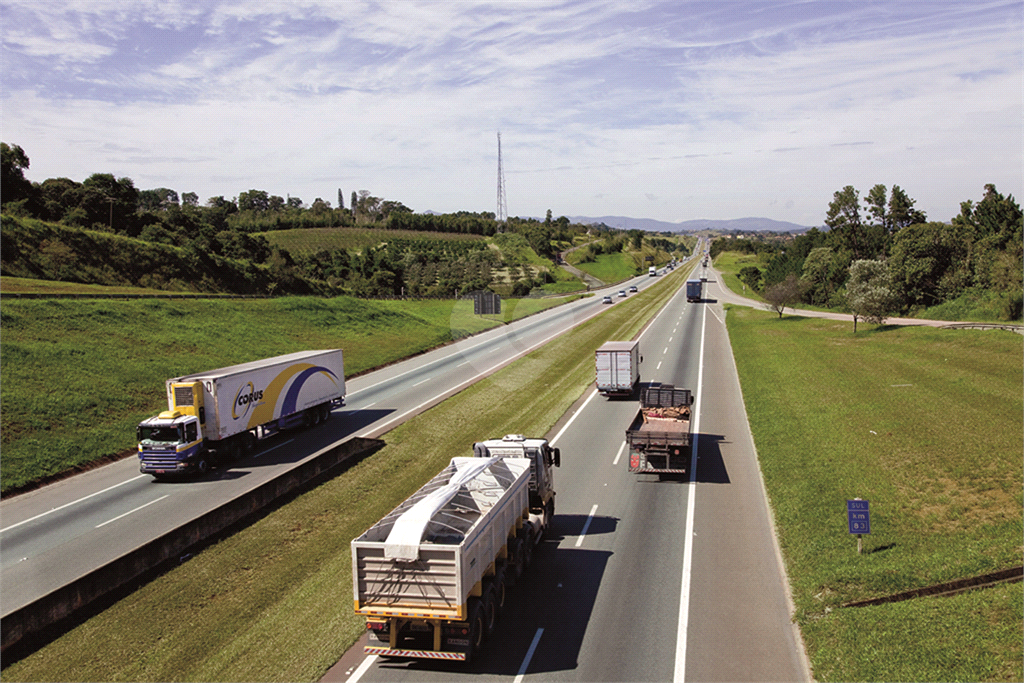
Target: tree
(785, 293)
(868, 291)
(750, 276)
(189, 199)
(13, 162)
(341, 200)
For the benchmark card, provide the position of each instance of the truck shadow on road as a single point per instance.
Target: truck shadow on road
(710, 465)
(557, 594)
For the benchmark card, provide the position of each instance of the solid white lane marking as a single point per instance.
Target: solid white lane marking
(679, 674)
(274, 448)
(363, 668)
(526, 660)
(583, 534)
(573, 418)
(619, 454)
(131, 511)
(91, 495)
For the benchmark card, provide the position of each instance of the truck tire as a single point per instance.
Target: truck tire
(515, 555)
(202, 466)
(489, 608)
(527, 539)
(325, 412)
(476, 626)
(500, 590)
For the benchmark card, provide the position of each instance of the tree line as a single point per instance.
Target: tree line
(915, 263)
(227, 229)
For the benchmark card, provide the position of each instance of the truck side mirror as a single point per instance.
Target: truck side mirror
(558, 457)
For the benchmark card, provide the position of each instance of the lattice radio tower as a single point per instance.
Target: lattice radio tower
(502, 213)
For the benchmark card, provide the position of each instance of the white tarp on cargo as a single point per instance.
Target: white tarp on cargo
(403, 543)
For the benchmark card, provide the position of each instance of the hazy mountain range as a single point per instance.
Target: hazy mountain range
(651, 225)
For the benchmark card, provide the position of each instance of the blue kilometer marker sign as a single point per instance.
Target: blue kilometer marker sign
(858, 515)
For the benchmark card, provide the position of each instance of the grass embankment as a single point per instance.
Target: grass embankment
(274, 601)
(307, 241)
(79, 375)
(926, 425)
(729, 264)
(609, 268)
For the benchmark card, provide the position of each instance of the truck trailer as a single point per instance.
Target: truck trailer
(214, 417)
(694, 290)
(659, 436)
(618, 367)
(432, 576)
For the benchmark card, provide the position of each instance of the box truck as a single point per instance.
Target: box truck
(618, 367)
(213, 417)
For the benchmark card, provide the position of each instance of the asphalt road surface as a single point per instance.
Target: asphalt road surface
(53, 535)
(645, 579)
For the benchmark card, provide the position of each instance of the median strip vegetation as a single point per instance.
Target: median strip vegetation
(274, 601)
(926, 425)
(80, 375)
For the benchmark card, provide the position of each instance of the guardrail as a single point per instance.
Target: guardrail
(1019, 329)
(25, 627)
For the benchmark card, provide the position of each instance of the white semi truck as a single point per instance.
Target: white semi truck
(213, 417)
(431, 577)
(618, 367)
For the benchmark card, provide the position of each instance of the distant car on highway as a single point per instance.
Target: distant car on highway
(622, 292)
(606, 300)
(632, 289)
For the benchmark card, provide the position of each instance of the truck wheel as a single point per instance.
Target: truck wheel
(202, 466)
(515, 553)
(527, 547)
(325, 412)
(313, 417)
(500, 591)
(476, 625)
(489, 609)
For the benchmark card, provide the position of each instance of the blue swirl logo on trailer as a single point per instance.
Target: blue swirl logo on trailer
(292, 395)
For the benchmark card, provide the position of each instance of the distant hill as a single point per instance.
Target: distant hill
(649, 224)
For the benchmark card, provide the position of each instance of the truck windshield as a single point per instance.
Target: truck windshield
(158, 435)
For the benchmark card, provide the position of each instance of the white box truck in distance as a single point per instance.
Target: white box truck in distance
(213, 417)
(431, 576)
(618, 367)
(652, 271)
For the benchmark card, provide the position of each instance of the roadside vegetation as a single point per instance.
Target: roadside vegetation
(971, 268)
(926, 425)
(79, 375)
(273, 601)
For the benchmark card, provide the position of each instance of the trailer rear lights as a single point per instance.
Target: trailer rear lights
(376, 625)
(634, 460)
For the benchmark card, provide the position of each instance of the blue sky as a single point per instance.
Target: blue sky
(666, 110)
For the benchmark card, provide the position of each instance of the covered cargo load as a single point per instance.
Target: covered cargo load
(618, 367)
(694, 291)
(422, 574)
(659, 437)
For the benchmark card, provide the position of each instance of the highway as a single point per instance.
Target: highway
(644, 579)
(53, 535)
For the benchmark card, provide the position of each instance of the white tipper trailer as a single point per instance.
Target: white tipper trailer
(215, 416)
(431, 577)
(618, 367)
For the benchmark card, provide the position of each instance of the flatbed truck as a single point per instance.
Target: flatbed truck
(659, 437)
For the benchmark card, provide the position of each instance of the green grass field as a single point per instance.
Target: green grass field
(729, 263)
(309, 240)
(79, 375)
(274, 601)
(926, 425)
(610, 267)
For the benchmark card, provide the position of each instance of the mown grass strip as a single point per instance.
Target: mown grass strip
(926, 425)
(78, 376)
(274, 601)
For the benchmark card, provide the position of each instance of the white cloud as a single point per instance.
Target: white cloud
(717, 111)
